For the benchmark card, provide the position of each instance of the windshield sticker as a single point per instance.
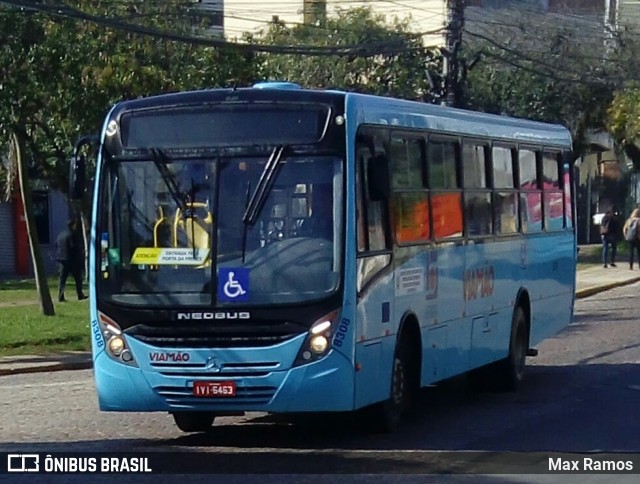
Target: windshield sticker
(104, 245)
(233, 284)
(114, 256)
(169, 256)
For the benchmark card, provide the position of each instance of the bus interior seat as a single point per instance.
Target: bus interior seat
(196, 229)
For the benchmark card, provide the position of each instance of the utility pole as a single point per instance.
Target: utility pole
(451, 64)
(314, 12)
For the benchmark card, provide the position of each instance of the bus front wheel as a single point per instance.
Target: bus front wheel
(194, 421)
(386, 416)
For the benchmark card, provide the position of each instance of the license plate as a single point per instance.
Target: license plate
(214, 389)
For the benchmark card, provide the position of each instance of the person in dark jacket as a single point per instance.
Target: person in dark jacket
(631, 231)
(609, 231)
(70, 258)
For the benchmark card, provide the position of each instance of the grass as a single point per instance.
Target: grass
(21, 289)
(25, 330)
(591, 255)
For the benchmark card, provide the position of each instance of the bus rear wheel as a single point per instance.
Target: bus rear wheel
(194, 421)
(510, 371)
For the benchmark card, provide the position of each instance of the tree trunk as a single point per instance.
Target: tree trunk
(46, 304)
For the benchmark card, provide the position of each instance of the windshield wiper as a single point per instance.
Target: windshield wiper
(160, 160)
(244, 232)
(259, 197)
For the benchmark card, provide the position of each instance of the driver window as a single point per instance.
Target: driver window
(372, 216)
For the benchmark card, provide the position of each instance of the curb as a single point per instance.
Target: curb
(47, 367)
(590, 291)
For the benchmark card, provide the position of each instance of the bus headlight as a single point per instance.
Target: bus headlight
(117, 347)
(318, 340)
(318, 344)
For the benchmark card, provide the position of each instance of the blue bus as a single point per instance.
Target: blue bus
(278, 249)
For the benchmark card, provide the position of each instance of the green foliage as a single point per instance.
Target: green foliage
(623, 114)
(23, 330)
(62, 75)
(541, 66)
(525, 94)
(623, 121)
(402, 67)
(12, 290)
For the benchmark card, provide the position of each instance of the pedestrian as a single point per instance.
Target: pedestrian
(69, 254)
(631, 231)
(609, 228)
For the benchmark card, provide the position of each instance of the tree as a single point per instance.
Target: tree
(44, 296)
(394, 62)
(79, 69)
(546, 66)
(623, 121)
(19, 103)
(61, 75)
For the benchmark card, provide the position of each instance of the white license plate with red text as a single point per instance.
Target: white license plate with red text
(214, 389)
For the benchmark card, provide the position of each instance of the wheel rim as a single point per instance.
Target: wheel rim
(398, 385)
(519, 353)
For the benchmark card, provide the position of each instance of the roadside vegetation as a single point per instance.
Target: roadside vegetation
(24, 330)
(591, 255)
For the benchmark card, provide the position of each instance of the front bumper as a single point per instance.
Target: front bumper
(264, 378)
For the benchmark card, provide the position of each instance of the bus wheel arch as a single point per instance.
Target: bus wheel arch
(409, 336)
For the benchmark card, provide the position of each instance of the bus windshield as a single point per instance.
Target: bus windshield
(172, 233)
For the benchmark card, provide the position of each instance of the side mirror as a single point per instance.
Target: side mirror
(78, 168)
(378, 178)
(77, 177)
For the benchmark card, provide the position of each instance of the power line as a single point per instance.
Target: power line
(590, 52)
(389, 47)
(552, 69)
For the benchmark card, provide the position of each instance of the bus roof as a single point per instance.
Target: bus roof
(378, 110)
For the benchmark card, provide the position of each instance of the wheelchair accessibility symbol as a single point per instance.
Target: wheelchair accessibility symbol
(233, 284)
(232, 288)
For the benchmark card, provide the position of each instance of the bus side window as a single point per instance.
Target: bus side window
(506, 202)
(530, 194)
(410, 199)
(552, 190)
(567, 188)
(445, 190)
(477, 198)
